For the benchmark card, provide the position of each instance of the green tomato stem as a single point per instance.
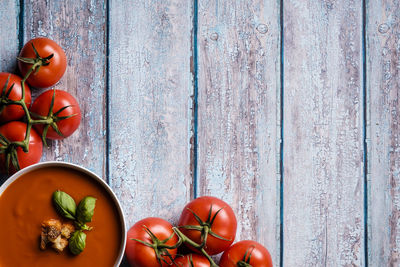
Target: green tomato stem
(29, 122)
(184, 239)
(34, 66)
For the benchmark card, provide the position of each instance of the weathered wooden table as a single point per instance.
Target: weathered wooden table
(288, 110)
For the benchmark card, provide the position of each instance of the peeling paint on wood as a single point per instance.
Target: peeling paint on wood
(150, 104)
(9, 41)
(383, 85)
(151, 96)
(323, 136)
(9, 18)
(239, 113)
(78, 26)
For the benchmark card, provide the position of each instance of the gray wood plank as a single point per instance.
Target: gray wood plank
(239, 113)
(150, 106)
(79, 27)
(9, 30)
(323, 134)
(383, 85)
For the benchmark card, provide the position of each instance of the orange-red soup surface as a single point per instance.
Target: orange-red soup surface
(27, 202)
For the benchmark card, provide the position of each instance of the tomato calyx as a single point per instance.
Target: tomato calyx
(184, 239)
(159, 246)
(5, 96)
(191, 261)
(245, 262)
(51, 119)
(36, 62)
(10, 149)
(5, 93)
(7, 147)
(205, 226)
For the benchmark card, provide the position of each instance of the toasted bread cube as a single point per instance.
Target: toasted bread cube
(53, 222)
(52, 228)
(59, 244)
(67, 229)
(56, 234)
(43, 240)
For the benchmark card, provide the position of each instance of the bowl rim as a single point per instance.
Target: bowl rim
(89, 173)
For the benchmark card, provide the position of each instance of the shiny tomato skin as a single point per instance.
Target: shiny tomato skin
(15, 131)
(47, 75)
(140, 255)
(260, 256)
(224, 225)
(13, 112)
(41, 106)
(198, 261)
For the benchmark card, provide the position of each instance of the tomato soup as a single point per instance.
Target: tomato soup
(27, 202)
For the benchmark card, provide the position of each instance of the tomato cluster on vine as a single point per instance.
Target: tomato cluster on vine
(207, 227)
(55, 114)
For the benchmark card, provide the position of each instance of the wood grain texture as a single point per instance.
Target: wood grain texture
(239, 113)
(9, 18)
(150, 106)
(9, 42)
(151, 116)
(79, 28)
(323, 137)
(383, 87)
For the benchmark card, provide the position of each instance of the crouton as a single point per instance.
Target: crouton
(67, 229)
(43, 240)
(52, 228)
(55, 234)
(59, 244)
(53, 222)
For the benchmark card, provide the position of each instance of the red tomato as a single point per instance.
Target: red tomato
(257, 253)
(13, 112)
(15, 131)
(140, 255)
(224, 224)
(47, 75)
(197, 260)
(41, 106)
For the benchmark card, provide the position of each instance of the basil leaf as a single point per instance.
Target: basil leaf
(65, 204)
(85, 210)
(77, 242)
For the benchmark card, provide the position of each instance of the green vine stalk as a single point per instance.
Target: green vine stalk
(10, 147)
